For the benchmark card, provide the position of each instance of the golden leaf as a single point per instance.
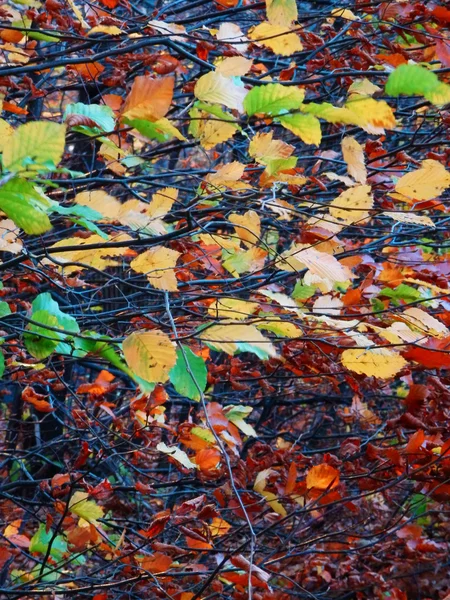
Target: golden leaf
(351, 206)
(234, 66)
(162, 202)
(281, 40)
(150, 355)
(373, 362)
(248, 227)
(226, 338)
(354, 157)
(322, 477)
(425, 183)
(232, 308)
(102, 202)
(281, 12)
(158, 264)
(263, 148)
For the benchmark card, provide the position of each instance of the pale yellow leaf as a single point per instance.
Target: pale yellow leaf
(102, 202)
(107, 29)
(247, 227)
(280, 328)
(217, 89)
(363, 87)
(234, 66)
(133, 214)
(162, 202)
(226, 338)
(283, 300)
(158, 264)
(425, 183)
(232, 308)
(281, 40)
(177, 454)
(326, 266)
(271, 498)
(352, 205)
(150, 355)
(410, 217)
(373, 362)
(327, 305)
(263, 148)
(374, 116)
(353, 154)
(344, 13)
(425, 322)
(6, 131)
(232, 34)
(281, 12)
(172, 30)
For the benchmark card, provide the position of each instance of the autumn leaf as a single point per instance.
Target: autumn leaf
(425, 183)
(158, 264)
(149, 98)
(381, 363)
(150, 355)
(354, 157)
(280, 39)
(217, 89)
(322, 477)
(85, 509)
(352, 205)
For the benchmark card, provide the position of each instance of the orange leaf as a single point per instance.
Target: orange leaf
(37, 400)
(149, 98)
(322, 477)
(156, 563)
(88, 71)
(207, 459)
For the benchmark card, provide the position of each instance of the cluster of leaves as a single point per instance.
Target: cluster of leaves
(225, 316)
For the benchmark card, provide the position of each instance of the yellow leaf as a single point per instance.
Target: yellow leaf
(162, 202)
(158, 264)
(374, 116)
(263, 148)
(6, 132)
(248, 227)
(281, 12)
(354, 157)
(211, 130)
(150, 355)
(102, 202)
(231, 308)
(325, 265)
(373, 362)
(363, 87)
(234, 66)
(224, 242)
(99, 258)
(271, 498)
(217, 89)
(306, 127)
(425, 183)
(228, 176)
(280, 328)
(84, 508)
(344, 13)
(352, 205)
(281, 40)
(108, 29)
(226, 338)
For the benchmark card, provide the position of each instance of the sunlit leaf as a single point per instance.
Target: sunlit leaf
(280, 39)
(150, 355)
(381, 363)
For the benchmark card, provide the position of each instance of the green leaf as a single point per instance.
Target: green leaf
(41, 540)
(4, 309)
(41, 342)
(306, 127)
(23, 207)
(414, 80)
(237, 414)
(401, 292)
(181, 378)
(275, 165)
(2, 364)
(303, 292)
(39, 145)
(161, 130)
(273, 99)
(84, 508)
(64, 321)
(103, 116)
